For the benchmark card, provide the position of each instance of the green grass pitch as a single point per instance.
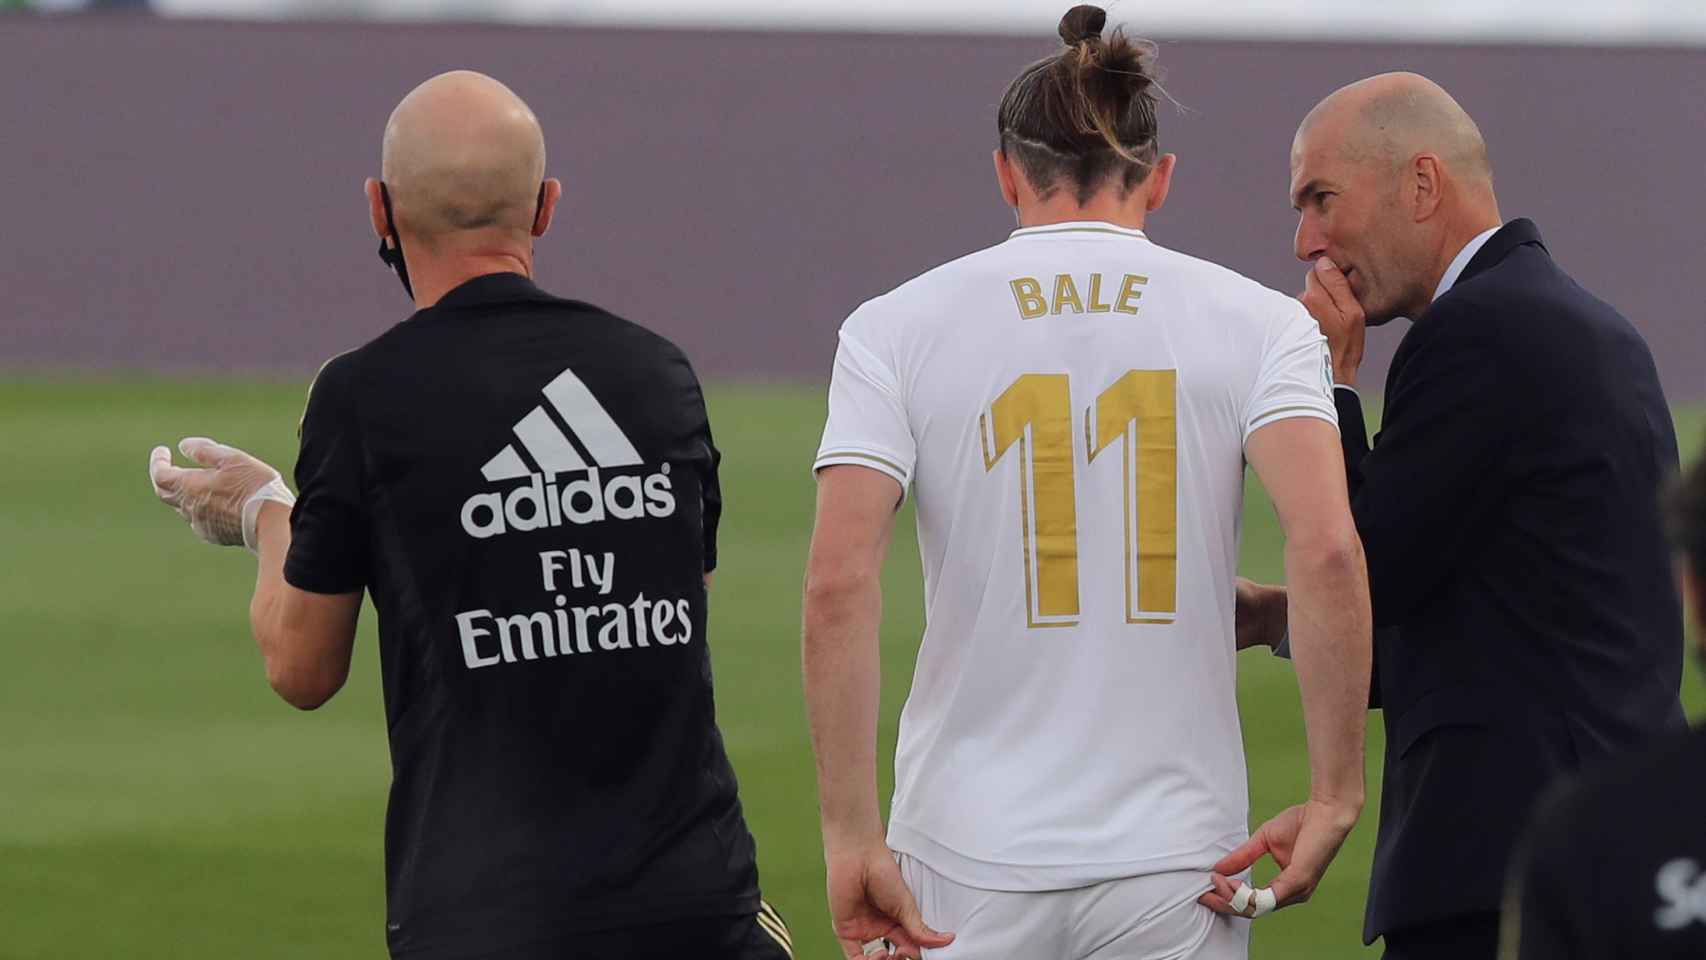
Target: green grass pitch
(158, 801)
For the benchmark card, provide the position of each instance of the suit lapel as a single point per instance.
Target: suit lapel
(1517, 233)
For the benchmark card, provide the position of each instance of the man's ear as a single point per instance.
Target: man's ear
(551, 193)
(1428, 180)
(1007, 179)
(375, 208)
(1160, 181)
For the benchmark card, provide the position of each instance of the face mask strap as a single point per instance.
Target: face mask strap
(393, 255)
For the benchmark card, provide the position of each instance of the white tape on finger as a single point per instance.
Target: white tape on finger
(875, 948)
(1241, 898)
(1247, 897)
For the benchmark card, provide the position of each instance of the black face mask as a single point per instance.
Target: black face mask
(393, 255)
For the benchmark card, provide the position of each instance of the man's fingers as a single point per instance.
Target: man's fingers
(883, 947)
(1294, 885)
(1333, 281)
(910, 932)
(1247, 902)
(1252, 902)
(901, 944)
(916, 933)
(208, 453)
(161, 473)
(1219, 899)
(1244, 856)
(1217, 903)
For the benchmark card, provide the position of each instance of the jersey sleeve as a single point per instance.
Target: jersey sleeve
(1296, 375)
(867, 424)
(328, 526)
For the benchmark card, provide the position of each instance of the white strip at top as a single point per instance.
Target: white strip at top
(1625, 22)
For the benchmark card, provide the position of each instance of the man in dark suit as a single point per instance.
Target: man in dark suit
(1526, 616)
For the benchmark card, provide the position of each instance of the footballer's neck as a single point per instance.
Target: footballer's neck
(1107, 206)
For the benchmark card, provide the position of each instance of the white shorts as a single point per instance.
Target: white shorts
(1141, 918)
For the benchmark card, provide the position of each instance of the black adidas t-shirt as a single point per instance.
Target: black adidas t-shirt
(1615, 862)
(527, 488)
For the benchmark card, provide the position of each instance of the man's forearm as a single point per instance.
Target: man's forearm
(272, 536)
(304, 639)
(1332, 650)
(842, 684)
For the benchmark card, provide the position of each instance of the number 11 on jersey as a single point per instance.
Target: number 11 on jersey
(1035, 414)
(1142, 408)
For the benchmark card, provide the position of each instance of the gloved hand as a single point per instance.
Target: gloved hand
(221, 502)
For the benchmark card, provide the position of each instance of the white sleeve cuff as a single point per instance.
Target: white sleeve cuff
(864, 458)
(1318, 410)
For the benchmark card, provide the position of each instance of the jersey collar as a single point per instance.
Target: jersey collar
(1078, 226)
(490, 288)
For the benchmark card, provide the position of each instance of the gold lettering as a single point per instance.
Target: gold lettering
(1096, 304)
(1065, 292)
(1129, 294)
(1028, 294)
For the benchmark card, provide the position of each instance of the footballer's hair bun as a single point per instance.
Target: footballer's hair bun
(1086, 113)
(1082, 23)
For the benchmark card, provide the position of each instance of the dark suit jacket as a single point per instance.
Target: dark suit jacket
(1526, 614)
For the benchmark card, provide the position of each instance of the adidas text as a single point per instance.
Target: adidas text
(542, 502)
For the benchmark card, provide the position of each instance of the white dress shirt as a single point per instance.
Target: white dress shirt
(1461, 261)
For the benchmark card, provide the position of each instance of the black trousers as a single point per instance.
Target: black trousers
(1474, 936)
(761, 936)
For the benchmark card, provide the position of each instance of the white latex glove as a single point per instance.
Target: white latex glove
(222, 502)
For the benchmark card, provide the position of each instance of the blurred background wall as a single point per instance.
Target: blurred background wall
(186, 195)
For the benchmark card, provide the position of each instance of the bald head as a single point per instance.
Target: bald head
(1395, 116)
(1390, 179)
(462, 152)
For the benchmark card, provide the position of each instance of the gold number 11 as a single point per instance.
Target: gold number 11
(1035, 413)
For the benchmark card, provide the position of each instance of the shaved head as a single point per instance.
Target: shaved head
(1394, 116)
(1390, 179)
(463, 152)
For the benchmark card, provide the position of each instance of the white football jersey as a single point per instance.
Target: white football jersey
(1069, 409)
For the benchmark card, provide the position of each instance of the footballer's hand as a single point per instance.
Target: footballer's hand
(1303, 841)
(1259, 615)
(1327, 295)
(869, 901)
(222, 500)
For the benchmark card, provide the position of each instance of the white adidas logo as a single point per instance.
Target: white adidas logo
(589, 499)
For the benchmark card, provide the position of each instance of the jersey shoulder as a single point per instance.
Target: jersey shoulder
(334, 381)
(925, 296)
(637, 335)
(1224, 289)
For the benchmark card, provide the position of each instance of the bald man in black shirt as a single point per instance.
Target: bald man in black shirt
(1615, 861)
(527, 488)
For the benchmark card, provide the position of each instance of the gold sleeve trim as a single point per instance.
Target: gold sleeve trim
(833, 455)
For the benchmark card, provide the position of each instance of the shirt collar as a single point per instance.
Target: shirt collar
(490, 288)
(1462, 260)
(1079, 226)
